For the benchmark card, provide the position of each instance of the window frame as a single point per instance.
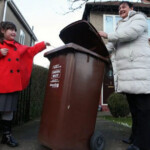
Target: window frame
(22, 37)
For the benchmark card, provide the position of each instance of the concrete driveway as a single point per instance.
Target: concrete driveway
(27, 135)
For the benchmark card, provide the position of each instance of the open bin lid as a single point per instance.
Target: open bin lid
(71, 47)
(84, 34)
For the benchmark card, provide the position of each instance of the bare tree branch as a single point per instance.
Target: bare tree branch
(75, 5)
(77, 0)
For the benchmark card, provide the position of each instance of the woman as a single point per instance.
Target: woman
(130, 56)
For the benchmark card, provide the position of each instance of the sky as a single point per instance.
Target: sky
(48, 19)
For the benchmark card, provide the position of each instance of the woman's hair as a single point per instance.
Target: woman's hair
(128, 3)
(5, 26)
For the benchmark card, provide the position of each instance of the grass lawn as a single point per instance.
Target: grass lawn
(126, 121)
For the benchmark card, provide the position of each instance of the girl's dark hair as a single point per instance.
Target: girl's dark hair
(128, 3)
(5, 26)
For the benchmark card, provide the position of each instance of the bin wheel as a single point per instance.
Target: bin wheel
(97, 141)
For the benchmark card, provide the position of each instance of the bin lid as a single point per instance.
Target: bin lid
(84, 34)
(72, 47)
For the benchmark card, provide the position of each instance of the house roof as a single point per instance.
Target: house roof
(21, 18)
(112, 6)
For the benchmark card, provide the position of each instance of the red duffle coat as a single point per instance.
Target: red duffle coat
(16, 66)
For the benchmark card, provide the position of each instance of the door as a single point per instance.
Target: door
(108, 84)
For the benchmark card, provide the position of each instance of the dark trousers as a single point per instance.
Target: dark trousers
(139, 105)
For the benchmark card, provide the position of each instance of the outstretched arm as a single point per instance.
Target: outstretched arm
(37, 48)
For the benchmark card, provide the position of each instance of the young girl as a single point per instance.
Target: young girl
(15, 71)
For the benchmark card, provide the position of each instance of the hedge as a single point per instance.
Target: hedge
(38, 85)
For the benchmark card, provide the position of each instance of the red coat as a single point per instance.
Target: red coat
(16, 66)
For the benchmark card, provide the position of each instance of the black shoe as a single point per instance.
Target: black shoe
(133, 147)
(9, 140)
(128, 141)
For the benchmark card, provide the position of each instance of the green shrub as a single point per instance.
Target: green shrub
(118, 105)
(38, 85)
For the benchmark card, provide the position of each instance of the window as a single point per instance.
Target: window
(148, 21)
(21, 37)
(110, 22)
(32, 42)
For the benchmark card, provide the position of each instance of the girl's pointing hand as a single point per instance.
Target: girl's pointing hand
(4, 51)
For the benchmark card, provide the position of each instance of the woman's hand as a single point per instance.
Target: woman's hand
(4, 51)
(103, 34)
(47, 44)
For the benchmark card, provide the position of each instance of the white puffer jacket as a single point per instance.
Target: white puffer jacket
(130, 54)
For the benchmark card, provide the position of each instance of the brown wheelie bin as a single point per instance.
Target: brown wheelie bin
(72, 97)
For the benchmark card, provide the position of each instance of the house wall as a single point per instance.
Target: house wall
(1, 9)
(10, 16)
(96, 18)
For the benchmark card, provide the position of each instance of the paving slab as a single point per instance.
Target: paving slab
(27, 135)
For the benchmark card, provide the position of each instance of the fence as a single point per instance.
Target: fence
(31, 100)
(23, 108)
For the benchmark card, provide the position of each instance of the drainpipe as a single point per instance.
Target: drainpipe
(5, 8)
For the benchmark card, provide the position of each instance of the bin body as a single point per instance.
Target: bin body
(71, 99)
